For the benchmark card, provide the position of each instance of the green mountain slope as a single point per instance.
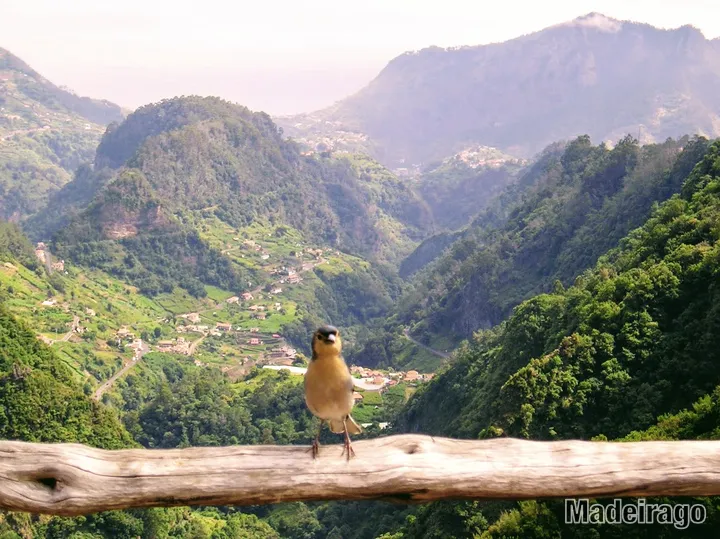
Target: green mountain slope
(45, 134)
(164, 400)
(633, 338)
(592, 75)
(41, 400)
(490, 211)
(537, 519)
(584, 201)
(209, 156)
(629, 352)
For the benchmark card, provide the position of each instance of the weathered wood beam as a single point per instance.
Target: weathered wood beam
(72, 479)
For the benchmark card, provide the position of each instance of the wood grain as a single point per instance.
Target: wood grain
(72, 479)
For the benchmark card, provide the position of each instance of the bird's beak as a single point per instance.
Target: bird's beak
(331, 337)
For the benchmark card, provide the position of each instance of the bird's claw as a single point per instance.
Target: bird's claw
(315, 449)
(347, 448)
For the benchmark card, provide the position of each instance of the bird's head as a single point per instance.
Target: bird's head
(326, 340)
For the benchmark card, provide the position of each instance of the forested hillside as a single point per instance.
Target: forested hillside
(632, 340)
(207, 159)
(564, 213)
(168, 402)
(180, 250)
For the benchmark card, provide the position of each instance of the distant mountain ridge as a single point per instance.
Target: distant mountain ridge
(593, 75)
(46, 133)
(38, 88)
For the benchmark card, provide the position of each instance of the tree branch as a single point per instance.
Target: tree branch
(72, 479)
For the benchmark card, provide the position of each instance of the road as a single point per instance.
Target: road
(66, 337)
(9, 134)
(73, 327)
(195, 344)
(144, 349)
(438, 353)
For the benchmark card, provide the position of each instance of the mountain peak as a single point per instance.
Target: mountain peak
(597, 21)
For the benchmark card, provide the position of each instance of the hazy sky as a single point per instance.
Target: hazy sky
(281, 56)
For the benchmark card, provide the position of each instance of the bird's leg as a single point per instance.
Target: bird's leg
(315, 449)
(348, 446)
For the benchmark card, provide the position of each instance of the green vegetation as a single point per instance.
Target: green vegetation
(630, 351)
(209, 156)
(583, 290)
(40, 399)
(579, 204)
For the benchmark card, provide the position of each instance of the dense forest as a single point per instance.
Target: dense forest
(208, 155)
(556, 221)
(172, 165)
(629, 351)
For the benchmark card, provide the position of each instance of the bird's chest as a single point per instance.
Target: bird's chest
(328, 389)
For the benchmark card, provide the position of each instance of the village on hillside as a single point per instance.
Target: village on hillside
(234, 333)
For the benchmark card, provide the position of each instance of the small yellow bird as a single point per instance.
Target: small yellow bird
(329, 388)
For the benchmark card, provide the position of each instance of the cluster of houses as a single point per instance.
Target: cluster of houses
(257, 311)
(124, 334)
(291, 275)
(245, 296)
(177, 346)
(377, 378)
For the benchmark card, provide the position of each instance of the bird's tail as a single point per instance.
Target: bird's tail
(337, 427)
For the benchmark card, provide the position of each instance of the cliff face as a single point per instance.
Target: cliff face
(125, 224)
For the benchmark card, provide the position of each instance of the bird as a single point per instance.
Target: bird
(329, 388)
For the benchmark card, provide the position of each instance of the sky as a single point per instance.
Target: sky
(280, 56)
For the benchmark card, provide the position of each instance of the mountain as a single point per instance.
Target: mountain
(210, 157)
(200, 197)
(593, 75)
(581, 204)
(45, 134)
(644, 315)
(48, 393)
(491, 205)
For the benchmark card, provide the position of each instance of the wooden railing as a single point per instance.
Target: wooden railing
(72, 479)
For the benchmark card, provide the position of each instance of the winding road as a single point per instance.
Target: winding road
(438, 353)
(144, 349)
(66, 337)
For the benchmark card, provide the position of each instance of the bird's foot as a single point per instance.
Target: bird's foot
(315, 449)
(347, 448)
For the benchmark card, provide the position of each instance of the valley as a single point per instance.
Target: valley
(502, 255)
